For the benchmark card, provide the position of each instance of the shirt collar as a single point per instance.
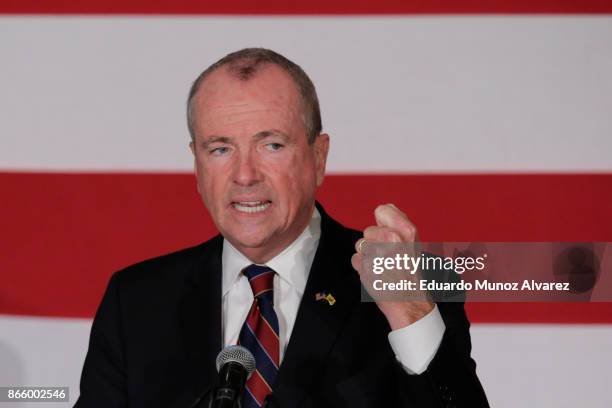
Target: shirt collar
(292, 264)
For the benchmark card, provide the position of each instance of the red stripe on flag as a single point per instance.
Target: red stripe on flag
(315, 7)
(64, 234)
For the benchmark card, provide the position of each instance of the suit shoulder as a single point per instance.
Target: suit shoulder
(341, 234)
(172, 265)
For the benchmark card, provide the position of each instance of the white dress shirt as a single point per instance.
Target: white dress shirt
(414, 345)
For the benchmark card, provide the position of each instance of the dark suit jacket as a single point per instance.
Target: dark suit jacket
(158, 330)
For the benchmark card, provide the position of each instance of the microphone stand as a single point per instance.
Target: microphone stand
(203, 400)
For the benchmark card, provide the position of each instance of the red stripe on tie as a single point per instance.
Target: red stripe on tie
(262, 292)
(258, 387)
(265, 335)
(259, 343)
(248, 397)
(262, 282)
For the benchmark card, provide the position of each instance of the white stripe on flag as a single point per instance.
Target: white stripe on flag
(406, 94)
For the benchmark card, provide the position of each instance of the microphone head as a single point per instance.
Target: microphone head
(236, 354)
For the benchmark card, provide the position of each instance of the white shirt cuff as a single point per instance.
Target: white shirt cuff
(416, 345)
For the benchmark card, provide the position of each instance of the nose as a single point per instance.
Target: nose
(246, 171)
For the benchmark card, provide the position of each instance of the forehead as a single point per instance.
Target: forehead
(269, 85)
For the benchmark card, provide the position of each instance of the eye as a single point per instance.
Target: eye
(219, 151)
(274, 146)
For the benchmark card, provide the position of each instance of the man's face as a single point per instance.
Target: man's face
(256, 172)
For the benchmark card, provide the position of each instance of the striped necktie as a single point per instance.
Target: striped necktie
(259, 334)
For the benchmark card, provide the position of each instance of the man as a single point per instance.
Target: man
(279, 278)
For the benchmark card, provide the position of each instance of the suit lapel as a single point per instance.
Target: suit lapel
(318, 323)
(200, 321)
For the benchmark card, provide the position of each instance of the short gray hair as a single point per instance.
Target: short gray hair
(244, 64)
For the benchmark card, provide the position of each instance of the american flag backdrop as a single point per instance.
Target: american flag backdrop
(482, 120)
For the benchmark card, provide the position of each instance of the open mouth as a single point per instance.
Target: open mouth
(251, 207)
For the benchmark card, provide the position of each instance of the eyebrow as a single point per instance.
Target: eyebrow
(215, 139)
(258, 136)
(269, 133)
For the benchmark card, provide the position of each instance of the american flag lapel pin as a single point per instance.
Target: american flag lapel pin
(328, 297)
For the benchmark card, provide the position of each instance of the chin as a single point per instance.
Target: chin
(248, 241)
(253, 243)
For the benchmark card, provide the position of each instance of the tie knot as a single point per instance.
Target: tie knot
(261, 279)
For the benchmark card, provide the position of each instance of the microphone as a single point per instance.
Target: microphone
(235, 365)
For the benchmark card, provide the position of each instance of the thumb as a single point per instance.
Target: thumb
(389, 216)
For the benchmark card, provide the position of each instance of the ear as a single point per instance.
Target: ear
(195, 163)
(321, 148)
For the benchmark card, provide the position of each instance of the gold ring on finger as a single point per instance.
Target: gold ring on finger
(361, 245)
